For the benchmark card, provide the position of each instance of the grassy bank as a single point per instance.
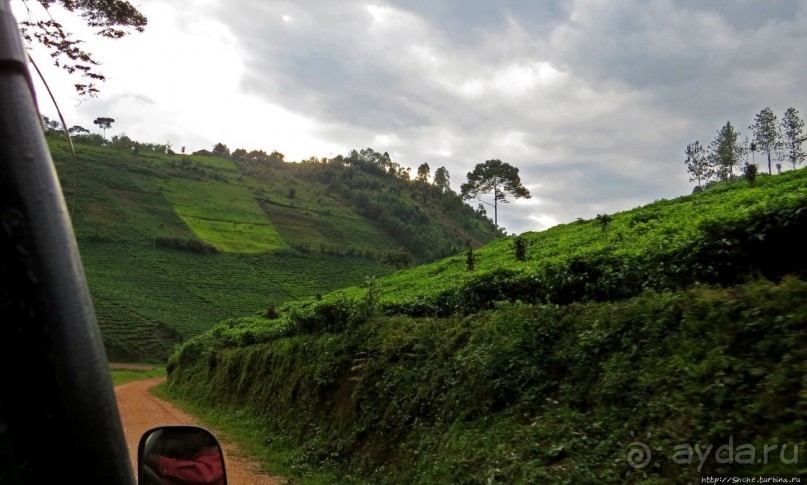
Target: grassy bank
(680, 323)
(525, 393)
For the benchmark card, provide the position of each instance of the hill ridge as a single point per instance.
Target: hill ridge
(150, 225)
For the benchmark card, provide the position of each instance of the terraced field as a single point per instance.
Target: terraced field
(173, 245)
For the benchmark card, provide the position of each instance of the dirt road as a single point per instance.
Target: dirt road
(139, 411)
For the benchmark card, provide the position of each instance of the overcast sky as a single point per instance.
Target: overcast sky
(593, 100)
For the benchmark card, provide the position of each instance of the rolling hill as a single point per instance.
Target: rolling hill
(173, 244)
(677, 324)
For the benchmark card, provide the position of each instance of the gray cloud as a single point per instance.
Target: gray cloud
(594, 101)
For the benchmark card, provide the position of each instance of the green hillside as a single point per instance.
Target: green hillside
(173, 244)
(681, 322)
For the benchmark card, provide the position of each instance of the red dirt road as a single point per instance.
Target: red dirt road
(140, 411)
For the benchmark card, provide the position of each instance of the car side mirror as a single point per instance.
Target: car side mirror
(180, 454)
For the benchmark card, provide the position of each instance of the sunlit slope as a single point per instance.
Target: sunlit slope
(223, 215)
(609, 261)
(174, 244)
(720, 235)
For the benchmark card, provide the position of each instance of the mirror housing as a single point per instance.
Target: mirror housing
(180, 454)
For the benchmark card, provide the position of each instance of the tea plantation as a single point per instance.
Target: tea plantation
(173, 244)
(676, 324)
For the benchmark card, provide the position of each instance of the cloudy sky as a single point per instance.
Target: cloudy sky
(593, 100)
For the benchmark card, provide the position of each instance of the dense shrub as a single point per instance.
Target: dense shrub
(192, 245)
(526, 393)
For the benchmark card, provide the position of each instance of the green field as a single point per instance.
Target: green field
(174, 244)
(683, 320)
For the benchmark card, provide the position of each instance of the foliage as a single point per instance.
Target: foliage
(174, 244)
(78, 130)
(522, 393)
(423, 172)
(221, 150)
(793, 137)
(122, 142)
(192, 245)
(766, 134)
(697, 163)
(112, 18)
(399, 258)
(725, 151)
(104, 123)
(494, 176)
(470, 259)
(442, 180)
(417, 216)
(537, 371)
(520, 248)
(604, 220)
(750, 171)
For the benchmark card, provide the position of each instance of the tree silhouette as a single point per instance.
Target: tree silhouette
(725, 151)
(423, 172)
(104, 123)
(221, 150)
(697, 163)
(766, 136)
(793, 136)
(78, 130)
(112, 18)
(604, 220)
(750, 171)
(497, 177)
(441, 180)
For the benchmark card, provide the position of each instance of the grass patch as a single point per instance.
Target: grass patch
(125, 376)
(235, 237)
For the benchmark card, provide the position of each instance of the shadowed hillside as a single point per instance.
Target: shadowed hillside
(173, 244)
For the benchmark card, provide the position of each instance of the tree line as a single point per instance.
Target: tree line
(777, 140)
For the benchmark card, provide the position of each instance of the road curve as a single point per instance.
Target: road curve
(140, 410)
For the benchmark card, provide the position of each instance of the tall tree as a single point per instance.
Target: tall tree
(793, 137)
(697, 163)
(112, 19)
(766, 136)
(725, 151)
(221, 150)
(498, 177)
(442, 180)
(103, 123)
(423, 172)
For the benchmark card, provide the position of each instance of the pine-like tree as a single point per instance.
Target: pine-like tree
(766, 134)
(697, 163)
(793, 137)
(725, 152)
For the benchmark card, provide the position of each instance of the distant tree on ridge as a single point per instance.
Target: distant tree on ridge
(104, 123)
(697, 163)
(793, 137)
(765, 132)
(441, 180)
(498, 177)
